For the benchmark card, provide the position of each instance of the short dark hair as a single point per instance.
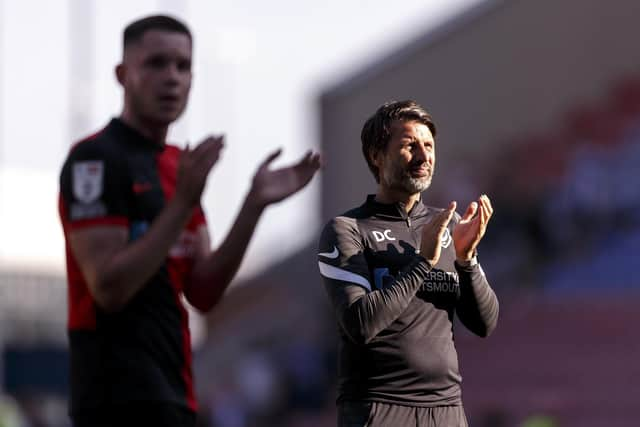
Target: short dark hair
(135, 30)
(376, 131)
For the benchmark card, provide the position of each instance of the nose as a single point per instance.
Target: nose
(172, 75)
(422, 154)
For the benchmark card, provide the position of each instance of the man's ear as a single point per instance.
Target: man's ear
(375, 157)
(120, 72)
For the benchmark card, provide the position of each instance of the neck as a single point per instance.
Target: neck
(154, 132)
(388, 196)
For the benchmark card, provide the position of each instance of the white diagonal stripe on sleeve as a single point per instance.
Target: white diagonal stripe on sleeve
(336, 273)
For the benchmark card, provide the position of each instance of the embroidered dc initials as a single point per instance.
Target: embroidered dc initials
(382, 235)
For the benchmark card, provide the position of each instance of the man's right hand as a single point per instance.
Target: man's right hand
(194, 167)
(432, 233)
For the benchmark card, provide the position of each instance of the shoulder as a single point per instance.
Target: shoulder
(343, 231)
(99, 156)
(98, 146)
(340, 224)
(347, 221)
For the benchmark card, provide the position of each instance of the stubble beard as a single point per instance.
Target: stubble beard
(400, 179)
(416, 185)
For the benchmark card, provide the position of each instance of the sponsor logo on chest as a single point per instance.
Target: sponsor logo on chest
(441, 281)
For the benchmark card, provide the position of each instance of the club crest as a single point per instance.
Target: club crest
(87, 180)
(446, 239)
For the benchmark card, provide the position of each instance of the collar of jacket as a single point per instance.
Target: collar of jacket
(395, 210)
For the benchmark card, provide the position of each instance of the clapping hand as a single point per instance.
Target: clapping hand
(273, 185)
(471, 228)
(432, 233)
(194, 166)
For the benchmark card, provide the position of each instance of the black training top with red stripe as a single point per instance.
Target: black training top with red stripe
(143, 352)
(394, 310)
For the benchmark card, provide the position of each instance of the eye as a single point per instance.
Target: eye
(184, 66)
(408, 144)
(156, 62)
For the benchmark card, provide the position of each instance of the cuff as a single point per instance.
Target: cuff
(467, 263)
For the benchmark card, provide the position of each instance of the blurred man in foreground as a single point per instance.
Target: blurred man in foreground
(137, 240)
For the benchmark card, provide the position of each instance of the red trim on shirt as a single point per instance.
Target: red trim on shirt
(179, 268)
(81, 312)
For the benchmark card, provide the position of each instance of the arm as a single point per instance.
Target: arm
(213, 271)
(362, 312)
(478, 304)
(115, 269)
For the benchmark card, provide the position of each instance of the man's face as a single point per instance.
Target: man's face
(156, 76)
(408, 163)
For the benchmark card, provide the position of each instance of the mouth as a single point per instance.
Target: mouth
(420, 172)
(169, 99)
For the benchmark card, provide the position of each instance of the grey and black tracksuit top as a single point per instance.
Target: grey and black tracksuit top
(394, 310)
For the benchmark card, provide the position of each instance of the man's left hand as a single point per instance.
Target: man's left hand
(471, 228)
(273, 185)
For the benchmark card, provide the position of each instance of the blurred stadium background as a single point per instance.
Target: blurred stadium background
(538, 105)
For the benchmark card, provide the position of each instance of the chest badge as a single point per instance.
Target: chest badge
(446, 239)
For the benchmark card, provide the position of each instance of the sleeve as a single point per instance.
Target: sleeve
(93, 188)
(362, 313)
(477, 307)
